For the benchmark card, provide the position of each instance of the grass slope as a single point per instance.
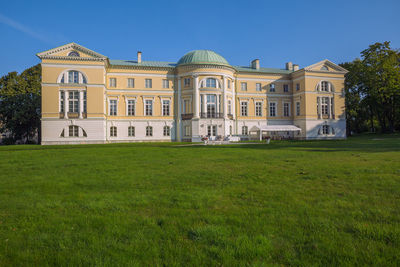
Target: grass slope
(287, 203)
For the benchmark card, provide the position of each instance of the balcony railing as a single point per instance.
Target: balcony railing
(211, 115)
(187, 116)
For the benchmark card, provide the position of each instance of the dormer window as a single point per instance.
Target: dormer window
(73, 54)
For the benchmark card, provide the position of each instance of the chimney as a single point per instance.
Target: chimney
(139, 57)
(289, 65)
(255, 64)
(295, 67)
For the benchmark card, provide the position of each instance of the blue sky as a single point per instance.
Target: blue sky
(303, 32)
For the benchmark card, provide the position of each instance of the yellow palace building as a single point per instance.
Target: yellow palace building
(89, 98)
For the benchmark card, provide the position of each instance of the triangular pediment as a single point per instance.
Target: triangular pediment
(71, 51)
(325, 66)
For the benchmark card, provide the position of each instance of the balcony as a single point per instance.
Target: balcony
(214, 115)
(187, 116)
(230, 116)
(73, 115)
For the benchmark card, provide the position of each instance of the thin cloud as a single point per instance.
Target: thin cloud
(18, 26)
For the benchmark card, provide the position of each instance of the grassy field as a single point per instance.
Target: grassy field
(302, 203)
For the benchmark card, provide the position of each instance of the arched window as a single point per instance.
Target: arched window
(324, 68)
(211, 82)
(149, 131)
(73, 131)
(72, 76)
(326, 130)
(166, 131)
(73, 54)
(325, 86)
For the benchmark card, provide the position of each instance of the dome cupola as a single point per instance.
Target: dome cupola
(202, 57)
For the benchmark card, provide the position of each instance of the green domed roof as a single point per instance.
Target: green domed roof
(202, 57)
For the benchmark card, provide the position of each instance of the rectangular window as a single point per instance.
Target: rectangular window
(113, 107)
(212, 130)
(149, 131)
(165, 107)
(73, 131)
(297, 86)
(324, 86)
(131, 83)
(186, 106)
(243, 108)
(148, 83)
(258, 87)
(165, 83)
(113, 131)
(286, 88)
(245, 130)
(149, 108)
(325, 129)
(113, 82)
(297, 108)
(84, 102)
(229, 107)
(186, 82)
(62, 99)
(131, 107)
(324, 105)
(73, 101)
(187, 130)
(229, 83)
(243, 86)
(286, 109)
(166, 131)
(211, 106)
(272, 109)
(272, 87)
(131, 131)
(259, 109)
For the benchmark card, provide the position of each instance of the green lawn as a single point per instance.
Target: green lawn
(287, 203)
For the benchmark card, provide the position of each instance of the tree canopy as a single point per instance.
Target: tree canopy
(20, 98)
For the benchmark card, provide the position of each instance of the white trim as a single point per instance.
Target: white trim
(319, 77)
(73, 66)
(140, 74)
(264, 80)
(204, 73)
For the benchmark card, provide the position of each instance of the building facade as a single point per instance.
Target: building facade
(89, 98)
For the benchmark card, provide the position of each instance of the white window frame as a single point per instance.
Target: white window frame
(149, 131)
(131, 133)
(166, 130)
(258, 111)
(168, 107)
(113, 131)
(131, 83)
(186, 82)
(288, 109)
(187, 130)
(74, 101)
(245, 130)
(116, 107)
(243, 86)
(325, 106)
(272, 87)
(148, 83)
(241, 108)
(275, 109)
(258, 87)
(128, 113)
(165, 83)
(73, 131)
(145, 107)
(286, 88)
(113, 82)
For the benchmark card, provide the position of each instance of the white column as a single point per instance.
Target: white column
(233, 100)
(319, 108)
(333, 107)
(196, 97)
(218, 101)
(204, 103)
(80, 104)
(224, 103)
(179, 126)
(66, 100)
(329, 108)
